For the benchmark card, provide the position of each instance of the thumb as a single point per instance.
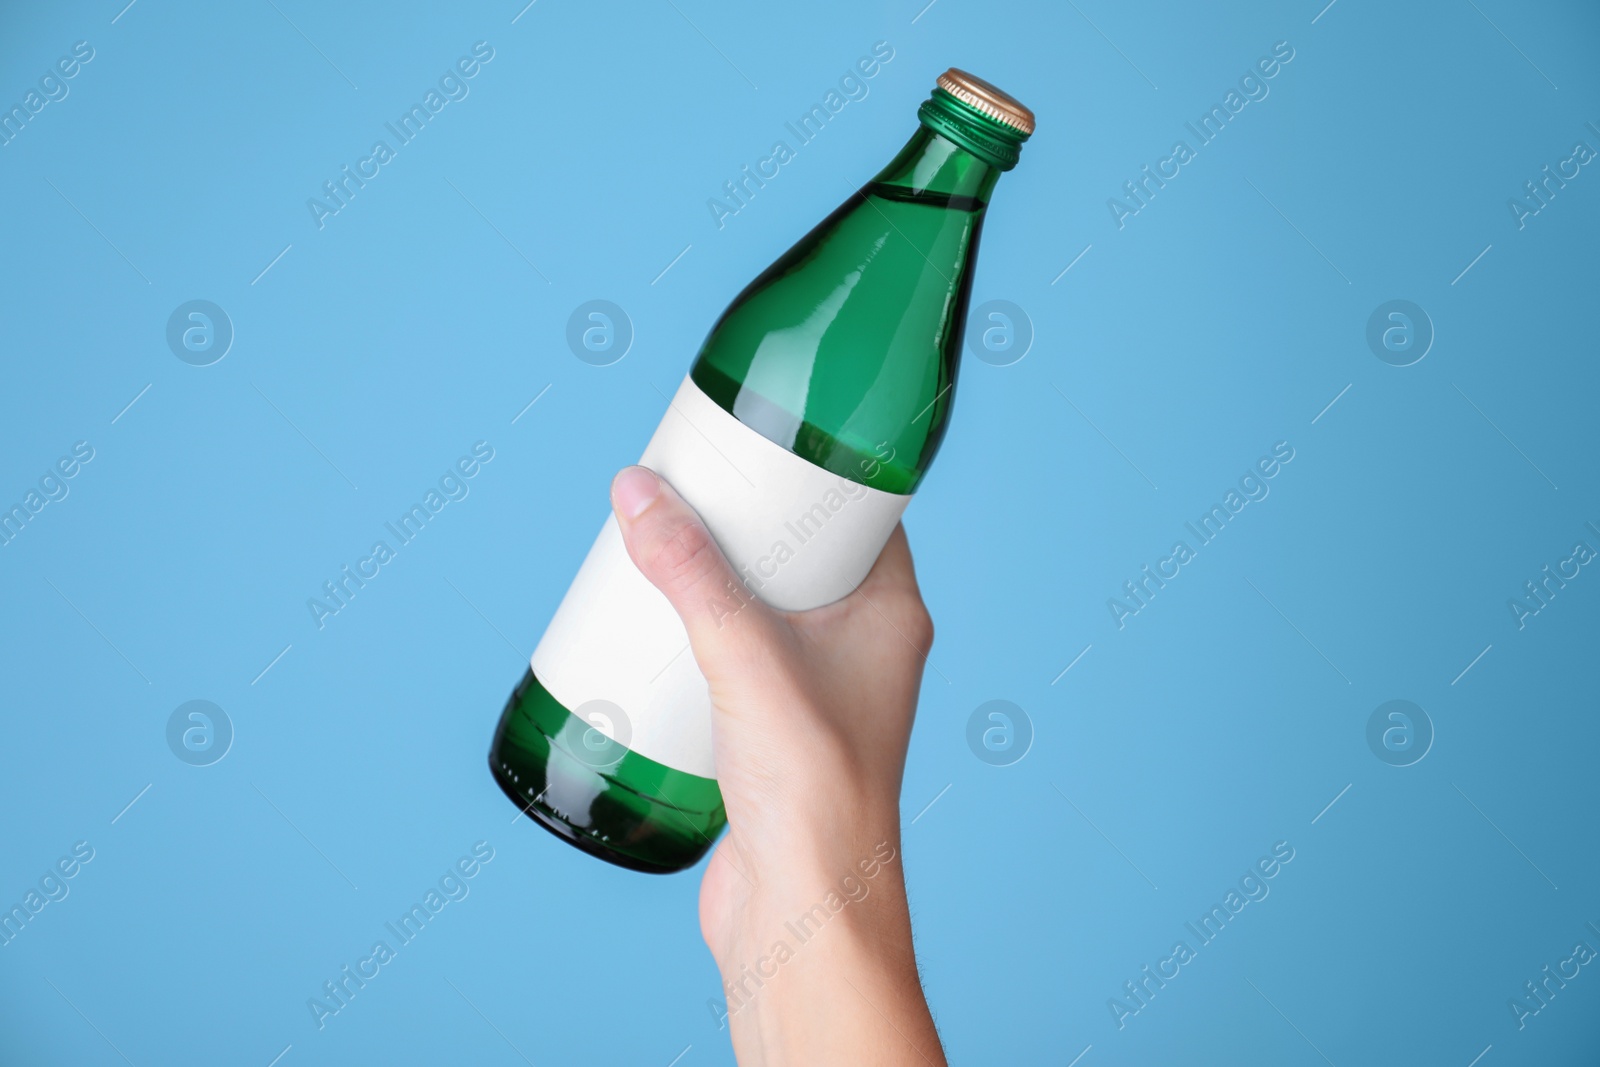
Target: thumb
(672, 548)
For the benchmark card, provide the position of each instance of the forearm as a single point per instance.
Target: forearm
(820, 970)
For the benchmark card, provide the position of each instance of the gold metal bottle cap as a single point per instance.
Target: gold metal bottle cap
(979, 94)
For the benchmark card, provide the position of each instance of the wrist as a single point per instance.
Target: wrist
(838, 950)
(843, 896)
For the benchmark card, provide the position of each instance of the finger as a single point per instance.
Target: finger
(676, 552)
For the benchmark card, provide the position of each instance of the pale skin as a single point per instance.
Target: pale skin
(811, 716)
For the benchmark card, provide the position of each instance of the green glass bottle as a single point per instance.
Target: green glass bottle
(813, 410)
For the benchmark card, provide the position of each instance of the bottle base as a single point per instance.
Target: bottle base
(569, 833)
(608, 801)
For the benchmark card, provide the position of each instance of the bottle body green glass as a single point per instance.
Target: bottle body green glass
(831, 376)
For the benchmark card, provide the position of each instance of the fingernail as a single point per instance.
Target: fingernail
(633, 490)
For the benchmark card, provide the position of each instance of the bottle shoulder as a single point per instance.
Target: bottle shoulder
(845, 349)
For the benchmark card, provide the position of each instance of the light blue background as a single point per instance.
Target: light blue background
(1223, 718)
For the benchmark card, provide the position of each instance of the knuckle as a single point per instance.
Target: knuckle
(921, 628)
(911, 617)
(918, 626)
(684, 554)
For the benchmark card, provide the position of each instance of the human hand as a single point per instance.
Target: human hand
(811, 716)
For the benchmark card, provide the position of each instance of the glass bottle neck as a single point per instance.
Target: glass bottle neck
(932, 163)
